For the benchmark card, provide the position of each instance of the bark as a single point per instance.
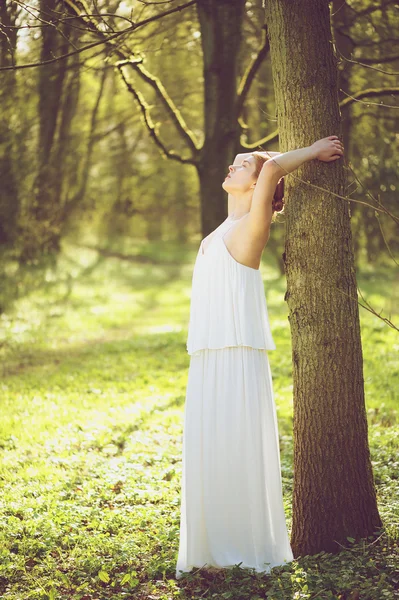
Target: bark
(58, 89)
(9, 196)
(334, 494)
(221, 32)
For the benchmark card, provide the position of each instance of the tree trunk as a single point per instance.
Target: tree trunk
(341, 17)
(58, 98)
(221, 29)
(9, 196)
(334, 495)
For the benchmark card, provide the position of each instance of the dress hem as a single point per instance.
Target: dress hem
(228, 346)
(180, 572)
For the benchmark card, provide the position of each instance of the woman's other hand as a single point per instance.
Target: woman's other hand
(328, 149)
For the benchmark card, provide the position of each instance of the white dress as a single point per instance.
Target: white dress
(231, 510)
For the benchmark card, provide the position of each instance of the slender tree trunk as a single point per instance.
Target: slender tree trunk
(83, 169)
(58, 91)
(9, 196)
(341, 15)
(334, 495)
(221, 31)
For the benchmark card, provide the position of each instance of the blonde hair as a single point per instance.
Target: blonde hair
(278, 199)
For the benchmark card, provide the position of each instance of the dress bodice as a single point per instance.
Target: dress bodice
(228, 303)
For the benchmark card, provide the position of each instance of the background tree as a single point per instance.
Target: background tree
(9, 196)
(362, 37)
(103, 173)
(334, 495)
(58, 91)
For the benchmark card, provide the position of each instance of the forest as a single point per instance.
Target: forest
(119, 121)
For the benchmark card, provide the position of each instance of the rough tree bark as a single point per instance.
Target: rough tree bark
(334, 494)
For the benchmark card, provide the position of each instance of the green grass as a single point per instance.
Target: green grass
(94, 369)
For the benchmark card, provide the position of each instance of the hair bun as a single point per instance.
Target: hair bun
(278, 198)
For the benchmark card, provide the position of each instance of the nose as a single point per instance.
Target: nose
(231, 168)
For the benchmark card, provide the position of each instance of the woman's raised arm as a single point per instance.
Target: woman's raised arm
(237, 161)
(326, 149)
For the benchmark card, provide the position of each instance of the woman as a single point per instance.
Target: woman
(232, 509)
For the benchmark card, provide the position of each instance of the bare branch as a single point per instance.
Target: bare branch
(268, 139)
(381, 59)
(155, 3)
(250, 73)
(377, 216)
(371, 43)
(369, 62)
(149, 123)
(367, 306)
(104, 40)
(186, 133)
(136, 63)
(126, 58)
(380, 207)
(378, 202)
(367, 11)
(370, 93)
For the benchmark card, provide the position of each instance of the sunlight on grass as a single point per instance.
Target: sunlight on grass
(93, 389)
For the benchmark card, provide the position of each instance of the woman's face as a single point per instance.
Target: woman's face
(241, 177)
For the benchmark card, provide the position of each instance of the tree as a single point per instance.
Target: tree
(334, 495)
(58, 91)
(221, 24)
(9, 196)
(361, 39)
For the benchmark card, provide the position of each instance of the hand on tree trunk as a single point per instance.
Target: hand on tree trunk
(328, 149)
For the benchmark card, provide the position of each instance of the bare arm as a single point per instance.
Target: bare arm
(327, 149)
(289, 161)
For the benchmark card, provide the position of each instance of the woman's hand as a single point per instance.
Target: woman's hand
(328, 149)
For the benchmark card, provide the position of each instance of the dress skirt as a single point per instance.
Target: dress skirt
(231, 507)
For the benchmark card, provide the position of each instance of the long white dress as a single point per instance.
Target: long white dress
(231, 510)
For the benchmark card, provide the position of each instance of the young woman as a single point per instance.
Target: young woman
(232, 509)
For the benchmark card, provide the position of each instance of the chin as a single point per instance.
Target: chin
(225, 185)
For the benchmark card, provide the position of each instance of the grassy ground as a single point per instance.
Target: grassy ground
(94, 370)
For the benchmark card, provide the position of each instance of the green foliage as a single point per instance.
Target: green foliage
(92, 394)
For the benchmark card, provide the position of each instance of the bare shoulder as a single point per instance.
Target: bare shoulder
(245, 244)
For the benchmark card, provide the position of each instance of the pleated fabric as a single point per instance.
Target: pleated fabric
(231, 510)
(231, 502)
(228, 303)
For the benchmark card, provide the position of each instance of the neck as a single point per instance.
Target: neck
(242, 205)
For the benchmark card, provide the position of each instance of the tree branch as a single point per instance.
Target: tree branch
(268, 139)
(105, 39)
(126, 58)
(369, 62)
(250, 74)
(367, 11)
(152, 129)
(167, 102)
(81, 13)
(370, 93)
(376, 60)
